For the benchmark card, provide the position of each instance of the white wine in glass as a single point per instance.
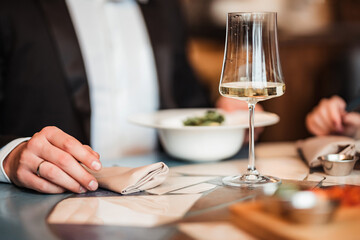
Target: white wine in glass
(252, 73)
(246, 91)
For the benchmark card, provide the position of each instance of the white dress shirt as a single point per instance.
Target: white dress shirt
(121, 72)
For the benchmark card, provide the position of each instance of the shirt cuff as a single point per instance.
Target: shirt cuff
(4, 152)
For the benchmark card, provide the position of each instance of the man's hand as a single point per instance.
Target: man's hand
(330, 117)
(60, 156)
(326, 117)
(352, 124)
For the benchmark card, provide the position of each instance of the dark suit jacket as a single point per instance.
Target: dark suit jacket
(42, 75)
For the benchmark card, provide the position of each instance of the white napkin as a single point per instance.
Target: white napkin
(126, 180)
(314, 147)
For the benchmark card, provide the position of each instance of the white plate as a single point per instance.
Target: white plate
(201, 143)
(173, 119)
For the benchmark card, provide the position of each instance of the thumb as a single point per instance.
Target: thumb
(352, 119)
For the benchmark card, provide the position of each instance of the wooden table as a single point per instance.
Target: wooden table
(23, 212)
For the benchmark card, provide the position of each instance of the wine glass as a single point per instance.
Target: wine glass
(251, 72)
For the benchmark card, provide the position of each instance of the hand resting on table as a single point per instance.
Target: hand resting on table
(56, 157)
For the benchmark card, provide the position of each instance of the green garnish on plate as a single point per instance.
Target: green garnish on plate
(211, 118)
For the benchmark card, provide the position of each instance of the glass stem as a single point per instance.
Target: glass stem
(251, 167)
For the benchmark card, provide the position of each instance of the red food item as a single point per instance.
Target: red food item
(347, 196)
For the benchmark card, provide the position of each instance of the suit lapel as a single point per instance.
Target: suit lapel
(66, 43)
(154, 19)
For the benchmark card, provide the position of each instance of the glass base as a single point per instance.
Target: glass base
(251, 181)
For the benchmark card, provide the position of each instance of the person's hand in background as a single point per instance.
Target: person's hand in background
(231, 105)
(56, 157)
(351, 122)
(329, 117)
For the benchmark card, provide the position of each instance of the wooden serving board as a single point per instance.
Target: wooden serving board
(252, 218)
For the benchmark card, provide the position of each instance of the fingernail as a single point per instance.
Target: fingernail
(96, 165)
(82, 190)
(93, 185)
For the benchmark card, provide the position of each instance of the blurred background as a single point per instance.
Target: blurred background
(319, 43)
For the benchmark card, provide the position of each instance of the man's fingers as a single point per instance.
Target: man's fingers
(72, 146)
(31, 164)
(36, 183)
(352, 119)
(339, 102)
(55, 175)
(69, 165)
(326, 118)
(315, 125)
(96, 154)
(336, 109)
(58, 155)
(322, 113)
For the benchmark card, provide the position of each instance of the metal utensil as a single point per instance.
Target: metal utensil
(303, 207)
(338, 164)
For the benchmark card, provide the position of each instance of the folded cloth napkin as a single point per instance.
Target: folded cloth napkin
(314, 147)
(126, 180)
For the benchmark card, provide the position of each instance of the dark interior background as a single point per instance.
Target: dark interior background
(319, 43)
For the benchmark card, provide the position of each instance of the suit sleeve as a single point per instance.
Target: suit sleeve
(5, 44)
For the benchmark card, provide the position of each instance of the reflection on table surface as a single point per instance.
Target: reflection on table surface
(24, 213)
(140, 211)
